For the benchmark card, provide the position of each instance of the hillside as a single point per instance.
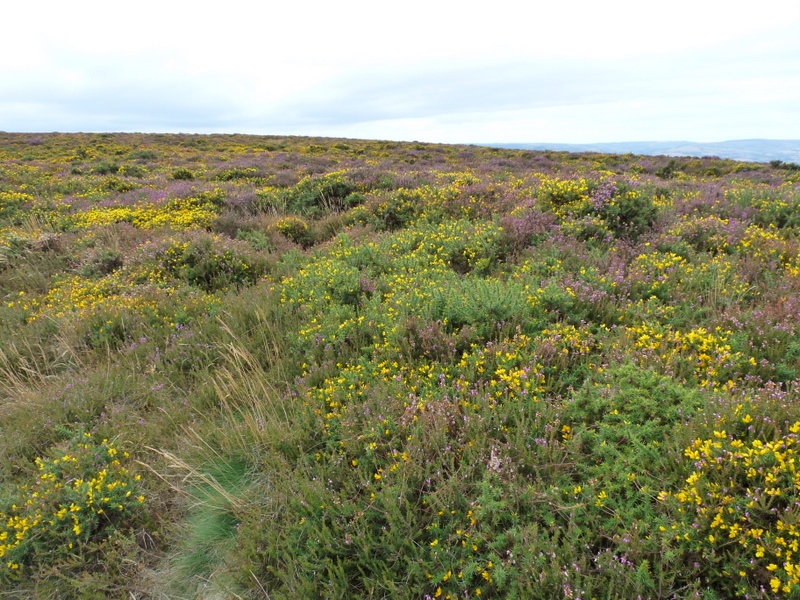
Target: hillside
(281, 367)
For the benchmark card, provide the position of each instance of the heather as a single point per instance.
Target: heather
(279, 367)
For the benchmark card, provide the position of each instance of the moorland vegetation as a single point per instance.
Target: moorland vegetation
(281, 367)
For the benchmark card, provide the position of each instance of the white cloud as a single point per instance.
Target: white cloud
(434, 70)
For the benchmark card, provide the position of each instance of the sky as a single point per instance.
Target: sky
(426, 70)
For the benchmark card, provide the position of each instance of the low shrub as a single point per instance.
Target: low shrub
(295, 229)
(84, 494)
(182, 174)
(201, 262)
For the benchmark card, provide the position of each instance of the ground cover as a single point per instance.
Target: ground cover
(277, 367)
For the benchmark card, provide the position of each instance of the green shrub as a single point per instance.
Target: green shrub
(630, 212)
(182, 173)
(257, 239)
(325, 193)
(483, 305)
(116, 184)
(735, 513)
(200, 263)
(668, 171)
(12, 206)
(294, 228)
(132, 171)
(143, 155)
(106, 168)
(82, 496)
(236, 173)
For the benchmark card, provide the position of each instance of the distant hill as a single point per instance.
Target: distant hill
(745, 150)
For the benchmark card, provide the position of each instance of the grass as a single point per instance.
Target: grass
(341, 368)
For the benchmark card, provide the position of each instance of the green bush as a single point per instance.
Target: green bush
(200, 263)
(132, 171)
(116, 184)
(630, 212)
(143, 155)
(325, 193)
(182, 174)
(83, 496)
(237, 173)
(106, 168)
(12, 206)
(294, 228)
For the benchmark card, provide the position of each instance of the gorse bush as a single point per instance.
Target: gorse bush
(628, 212)
(201, 264)
(737, 508)
(81, 496)
(182, 174)
(11, 204)
(294, 228)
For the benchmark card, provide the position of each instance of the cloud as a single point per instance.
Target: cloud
(579, 70)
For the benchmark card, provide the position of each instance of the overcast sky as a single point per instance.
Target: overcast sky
(436, 71)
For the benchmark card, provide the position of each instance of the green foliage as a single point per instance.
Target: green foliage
(201, 264)
(735, 511)
(668, 171)
(484, 306)
(327, 191)
(106, 168)
(312, 195)
(143, 155)
(116, 184)
(132, 171)
(183, 174)
(294, 228)
(779, 164)
(258, 240)
(104, 262)
(82, 496)
(212, 522)
(234, 174)
(620, 421)
(397, 209)
(11, 206)
(630, 212)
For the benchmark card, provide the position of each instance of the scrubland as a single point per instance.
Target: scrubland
(278, 367)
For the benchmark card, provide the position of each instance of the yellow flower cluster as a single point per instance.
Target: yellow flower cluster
(10, 198)
(568, 340)
(78, 493)
(696, 353)
(81, 294)
(671, 277)
(707, 233)
(504, 370)
(184, 213)
(655, 269)
(743, 494)
(563, 196)
(767, 244)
